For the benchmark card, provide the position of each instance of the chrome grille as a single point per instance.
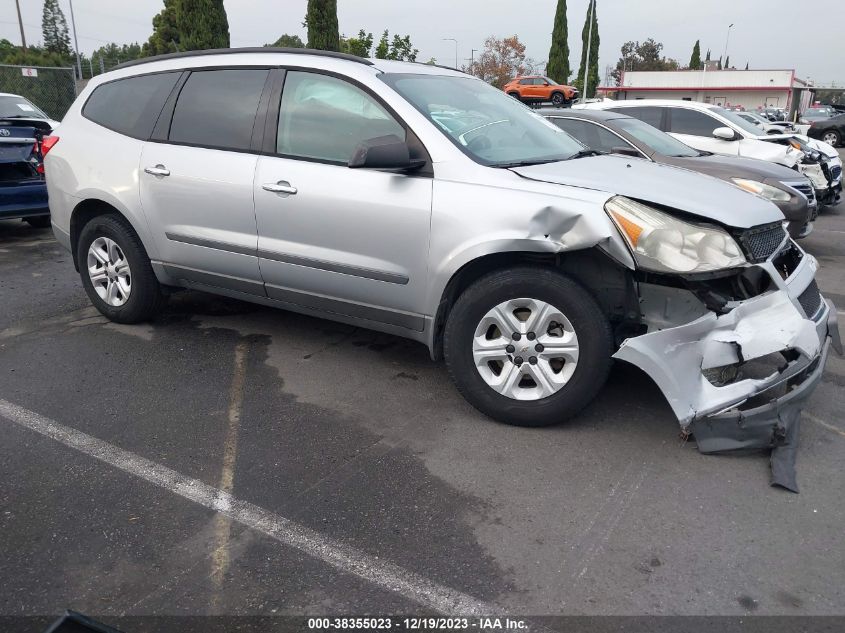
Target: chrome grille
(762, 242)
(811, 300)
(804, 188)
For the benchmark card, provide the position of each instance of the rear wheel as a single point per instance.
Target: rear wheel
(38, 221)
(515, 95)
(116, 272)
(831, 138)
(528, 346)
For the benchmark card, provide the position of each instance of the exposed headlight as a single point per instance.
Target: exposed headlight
(663, 243)
(766, 191)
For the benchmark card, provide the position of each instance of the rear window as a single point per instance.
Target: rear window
(217, 108)
(130, 106)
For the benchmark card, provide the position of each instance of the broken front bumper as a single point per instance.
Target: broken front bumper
(702, 366)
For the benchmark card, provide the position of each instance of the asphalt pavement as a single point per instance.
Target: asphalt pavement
(234, 459)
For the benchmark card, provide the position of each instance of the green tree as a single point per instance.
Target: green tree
(727, 62)
(695, 59)
(402, 50)
(202, 24)
(642, 56)
(289, 41)
(592, 65)
(708, 55)
(321, 20)
(558, 66)
(746, 65)
(359, 45)
(54, 29)
(165, 37)
(719, 65)
(383, 48)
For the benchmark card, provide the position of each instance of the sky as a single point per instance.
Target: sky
(767, 33)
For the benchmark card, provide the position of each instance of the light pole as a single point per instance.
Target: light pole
(472, 61)
(452, 39)
(75, 41)
(20, 22)
(727, 39)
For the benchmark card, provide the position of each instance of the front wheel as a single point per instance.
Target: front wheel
(528, 346)
(116, 271)
(831, 138)
(558, 100)
(515, 95)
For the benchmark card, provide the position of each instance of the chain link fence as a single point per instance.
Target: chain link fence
(51, 89)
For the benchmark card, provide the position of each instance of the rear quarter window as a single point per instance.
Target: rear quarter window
(130, 106)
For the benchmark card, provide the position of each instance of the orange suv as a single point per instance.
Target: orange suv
(538, 89)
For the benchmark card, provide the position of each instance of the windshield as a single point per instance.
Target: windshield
(486, 124)
(738, 121)
(756, 119)
(658, 141)
(551, 82)
(12, 107)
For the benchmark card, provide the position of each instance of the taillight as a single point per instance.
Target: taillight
(47, 144)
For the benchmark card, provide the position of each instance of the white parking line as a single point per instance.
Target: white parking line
(820, 422)
(340, 556)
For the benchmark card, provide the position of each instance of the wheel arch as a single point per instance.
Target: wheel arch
(610, 283)
(90, 208)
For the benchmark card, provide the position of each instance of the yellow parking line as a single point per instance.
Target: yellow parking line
(222, 522)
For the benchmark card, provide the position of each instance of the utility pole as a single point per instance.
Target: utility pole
(589, 45)
(20, 22)
(75, 41)
(472, 61)
(452, 39)
(727, 40)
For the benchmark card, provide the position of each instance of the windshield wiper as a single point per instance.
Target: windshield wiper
(527, 163)
(585, 153)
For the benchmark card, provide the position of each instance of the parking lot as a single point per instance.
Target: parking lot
(229, 458)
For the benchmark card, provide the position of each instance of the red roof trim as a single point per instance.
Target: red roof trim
(692, 88)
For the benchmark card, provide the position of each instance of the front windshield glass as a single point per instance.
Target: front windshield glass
(756, 119)
(12, 107)
(486, 124)
(551, 82)
(738, 121)
(659, 141)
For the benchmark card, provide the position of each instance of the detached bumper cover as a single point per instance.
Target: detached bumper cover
(747, 413)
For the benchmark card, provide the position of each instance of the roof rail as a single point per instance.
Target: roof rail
(251, 49)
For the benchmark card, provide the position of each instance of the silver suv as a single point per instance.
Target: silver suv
(419, 201)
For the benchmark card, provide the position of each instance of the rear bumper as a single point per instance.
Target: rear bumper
(770, 334)
(22, 201)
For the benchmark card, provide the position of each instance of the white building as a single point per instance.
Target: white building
(751, 89)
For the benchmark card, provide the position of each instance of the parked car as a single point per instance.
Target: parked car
(710, 128)
(831, 131)
(773, 114)
(539, 89)
(425, 203)
(819, 113)
(614, 133)
(769, 127)
(17, 107)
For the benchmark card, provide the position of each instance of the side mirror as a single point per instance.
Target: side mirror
(626, 151)
(724, 133)
(384, 152)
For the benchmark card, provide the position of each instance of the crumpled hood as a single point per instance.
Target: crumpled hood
(687, 191)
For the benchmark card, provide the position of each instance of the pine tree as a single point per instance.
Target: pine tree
(719, 65)
(202, 24)
(727, 62)
(321, 20)
(383, 48)
(593, 64)
(746, 65)
(695, 59)
(54, 29)
(558, 66)
(708, 55)
(165, 37)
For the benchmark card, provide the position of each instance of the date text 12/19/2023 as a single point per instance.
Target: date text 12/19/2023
(416, 624)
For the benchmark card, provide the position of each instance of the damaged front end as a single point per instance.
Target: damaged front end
(738, 352)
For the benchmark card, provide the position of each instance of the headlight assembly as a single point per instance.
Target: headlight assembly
(665, 244)
(761, 189)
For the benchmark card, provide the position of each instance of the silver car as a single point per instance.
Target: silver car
(419, 201)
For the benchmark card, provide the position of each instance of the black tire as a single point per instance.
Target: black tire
(837, 139)
(38, 221)
(515, 95)
(591, 326)
(145, 298)
(558, 99)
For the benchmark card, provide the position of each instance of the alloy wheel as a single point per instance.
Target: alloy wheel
(109, 271)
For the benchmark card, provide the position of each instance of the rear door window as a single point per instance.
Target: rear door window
(217, 108)
(590, 134)
(130, 106)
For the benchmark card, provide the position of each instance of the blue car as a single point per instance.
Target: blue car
(23, 130)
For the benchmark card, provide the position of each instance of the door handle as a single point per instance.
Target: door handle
(283, 186)
(158, 170)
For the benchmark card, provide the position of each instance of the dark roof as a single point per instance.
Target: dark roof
(252, 49)
(590, 115)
